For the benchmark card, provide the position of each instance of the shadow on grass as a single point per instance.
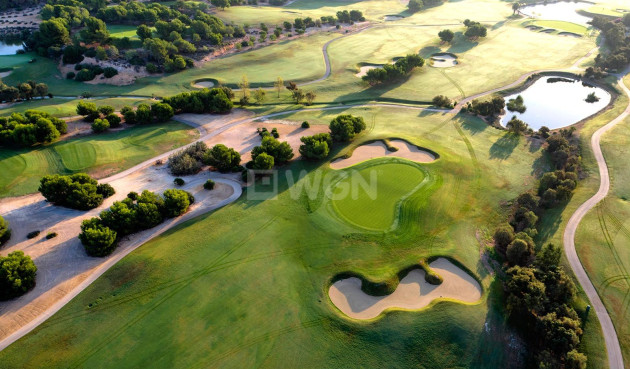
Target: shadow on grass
(504, 146)
(549, 224)
(473, 125)
(461, 44)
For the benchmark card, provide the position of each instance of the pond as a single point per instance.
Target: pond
(9, 48)
(562, 11)
(558, 104)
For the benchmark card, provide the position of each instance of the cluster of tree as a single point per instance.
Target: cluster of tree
(87, 72)
(443, 102)
(30, 128)
(189, 160)
(516, 104)
(316, 147)
(17, 275)
(76, 191)
(271, 152)
(345, 127)
(5, 231)
(393, 72)
(90, 112)
(215, 100)
(487, 108)
(615, 37)
(100, 235)
(22, 91)
(417, 5)
(223, 158)
(474, 29)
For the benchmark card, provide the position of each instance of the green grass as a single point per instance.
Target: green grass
(246, 286)
(120, 31)
(61, 107)
(369, 196)
(99, 155)
(561, 26)
(604, 10)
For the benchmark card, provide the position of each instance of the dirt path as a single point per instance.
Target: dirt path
(615, 358)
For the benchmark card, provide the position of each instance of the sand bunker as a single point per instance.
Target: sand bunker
(378, 149)
(443, 61)
(204, 84)
(569, 34)
(412, 293)
(5, 74)
(393, 17)
(364, 69)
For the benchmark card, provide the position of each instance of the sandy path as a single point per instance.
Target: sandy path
(378, 150)
(412, 293)
(615, 358)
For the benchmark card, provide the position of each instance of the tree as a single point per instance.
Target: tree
(100, 125)
(5, 231)
(446, 35)
(476, 30)
(144, 32)
(310, 97)
(88, 110)
(298, 95)
(280, 151)
(503, 236)
(97, 239)
(17, 275)
(176, 202)
(221, 3)
(105, 110)
(316, 147)
(515, 7)
(263, 161)
(278, 85)
(260, 95)
(519, 252)
(343, 128)
(52, 32)
(244, 86)
(223, 158)
(162, 112)
(516, 126)
(415, 5)
(575, 360)
(95, 31)
(41, 90)
(77, 191)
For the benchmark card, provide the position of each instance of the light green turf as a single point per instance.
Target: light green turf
(246, 286)
(370, 194)
(99, 155)
(120, 31)
(561, 26)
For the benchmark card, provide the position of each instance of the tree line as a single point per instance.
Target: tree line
(76, 191)
(614, 33)
(23, 91)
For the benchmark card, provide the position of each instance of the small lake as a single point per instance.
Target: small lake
(557, 104)
(562, 11)
(9, 48)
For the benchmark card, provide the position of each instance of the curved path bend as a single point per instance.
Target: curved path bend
(613, 348)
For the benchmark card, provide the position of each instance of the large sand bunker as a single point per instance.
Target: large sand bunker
(378, 149)
(443, 60)
(364, 69)
(204, 84)
(412, 293)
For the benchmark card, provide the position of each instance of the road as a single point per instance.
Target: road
(615, 358)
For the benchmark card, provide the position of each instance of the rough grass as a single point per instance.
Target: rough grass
(247, 286)
(603, 10)
(369, 195)
(95, 154)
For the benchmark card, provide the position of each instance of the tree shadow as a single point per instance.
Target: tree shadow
(473, 126)
(504, 146)
(427, 51)
(549, 223)
(461, 44)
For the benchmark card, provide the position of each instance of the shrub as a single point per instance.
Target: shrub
(17, 275)
(176, 202)
(85, 75)
(97, 239)
(209, 185)
(188, 160)
(316, 147)
(223, 158)
(109, 72)
(5, 231)
(100, 125)
(105, 189)
(129, 114)
(280, 151)
(32, 234)
(152, 68)
(51, 235)
(442, 101)
(70, 75)
(106, 110)
(179, 181)
(114, 120)
(306, 124)
(343, 128)
(263, 161)
(88, 110)
(132, 195)
(77, 191)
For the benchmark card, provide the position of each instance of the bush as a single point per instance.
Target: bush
(343, 128)
(32, 234)
(316, 147)
(51, 235)
(176, 202)
(77, 191)
(209, 185)
(85, 75)
(263, 161)
(280, 151)
(97, 239)
(5, 231)
(100, 125)
(152, 68)
(17, 275)
(70, 75)
(179, 181)
(114, 120)
(442, 101)
(109, 72)
(188, 160)
(106, 110)
(105, 189)
(88, 110)
(223, 158)
(306, 124)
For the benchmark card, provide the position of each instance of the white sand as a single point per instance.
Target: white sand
(412, 293)
(393, 17)
(443, 61)
(204, 84)
(364, 69)
(5, 74)
(378, 149)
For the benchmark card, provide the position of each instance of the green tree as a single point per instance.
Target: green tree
(5, 231)
(344, 128)
(176, 202)
(95, 31)
(88, 110)
(518, 252)
(278, 85)
(162, 112)
(223, 158)
(503, 236)
(263, 161)
(221, 3)
(260, 95)
(100, 125)
(515, 7)
(52, 32)
(97, 239)
(446, 35)
(144, 32)
(316, 147)
(516, 126)
(415, 5)
(17, 275)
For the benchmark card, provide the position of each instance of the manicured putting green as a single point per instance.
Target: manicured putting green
(369, 197)
(561, 26)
